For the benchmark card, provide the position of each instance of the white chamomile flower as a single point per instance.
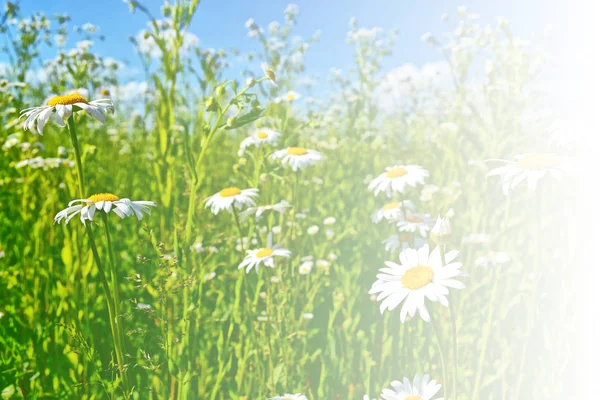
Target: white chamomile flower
(531, 167)
(416, 222)
(106, 202)
(393, 211)
(229, 198)
(313, 230)
(305, 267)
(288, 396)
(329, 221)
(421, 389)
(260, 136)
(297, 157)
(265, 256)
(291, 96)
(259, 211)
(418, 275)
(477, 238)
(492, 259)
(392, 243)
(396, 178)
(60, 108)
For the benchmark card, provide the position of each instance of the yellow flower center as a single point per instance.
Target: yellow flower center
(262, 135)
(413, 398)
(417, 277)
(103, 197)
(391, 206)
(67, 99)
(538, 161)
(230, 191)
(291, 96)
(414, 219)
(105, 92)
(396, 173)
(262, 253)
(297, 151)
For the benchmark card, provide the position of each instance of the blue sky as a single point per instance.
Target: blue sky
(220, 24)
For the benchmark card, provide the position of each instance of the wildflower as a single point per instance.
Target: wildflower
(531, 167)
(421, 389)
(280, 207)
(308, 315)
(393, 211)
(260, 136)
(11, 142)
(60, 108)
(297, 157)
(419, 275)
(2, 253)
(329, 233)
(229, 198)
(492, 259)
(209, 276)
(392, 243)
(323, 264)
(477, 238)
(106, 202)
(288, 396)
(441, 232)
(329, 221)
(305, 267)
(312, 230)
(415, 222)
(45, 163)
(142, 306)
(396, 178)
(269, 73)
(265, 256)
(292, 96)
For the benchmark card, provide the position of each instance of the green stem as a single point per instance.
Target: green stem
(239, 227)
(487, 329)
(438, 337)
(115, 286)
(73, 132)
(110, 304)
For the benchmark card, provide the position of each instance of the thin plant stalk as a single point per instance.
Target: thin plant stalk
(440, 346)
(90, 234)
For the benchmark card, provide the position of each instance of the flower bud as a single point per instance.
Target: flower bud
(250, 82)
(441, 232)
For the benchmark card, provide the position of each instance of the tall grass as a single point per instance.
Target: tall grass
(193, 325)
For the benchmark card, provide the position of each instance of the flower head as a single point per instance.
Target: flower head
(288, 396)
(230, 198)
(60, 108)
(419, 275)
(530, 167)
(421, 389)
(106, 202)
(297, 157)
(441, 232)
(393, 211)
(259, 137)
(269, 73)
(415, 222)
(396, 178)
(265, 256)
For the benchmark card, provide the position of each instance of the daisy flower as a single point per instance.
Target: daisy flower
(418, 275)
(477, 238)
(392, 243)
(415, 222)
(393, 211)
(288, 396)
(106, 202)
(530, 167)
(260, 136)
(259, 211)
(492, 259)
(291, 96)
(395, 179)
(297, 157)
(60, 108)
(265, 256)
(229, 198)
(421, 389)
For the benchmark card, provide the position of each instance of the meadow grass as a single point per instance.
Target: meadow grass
(158, 309)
